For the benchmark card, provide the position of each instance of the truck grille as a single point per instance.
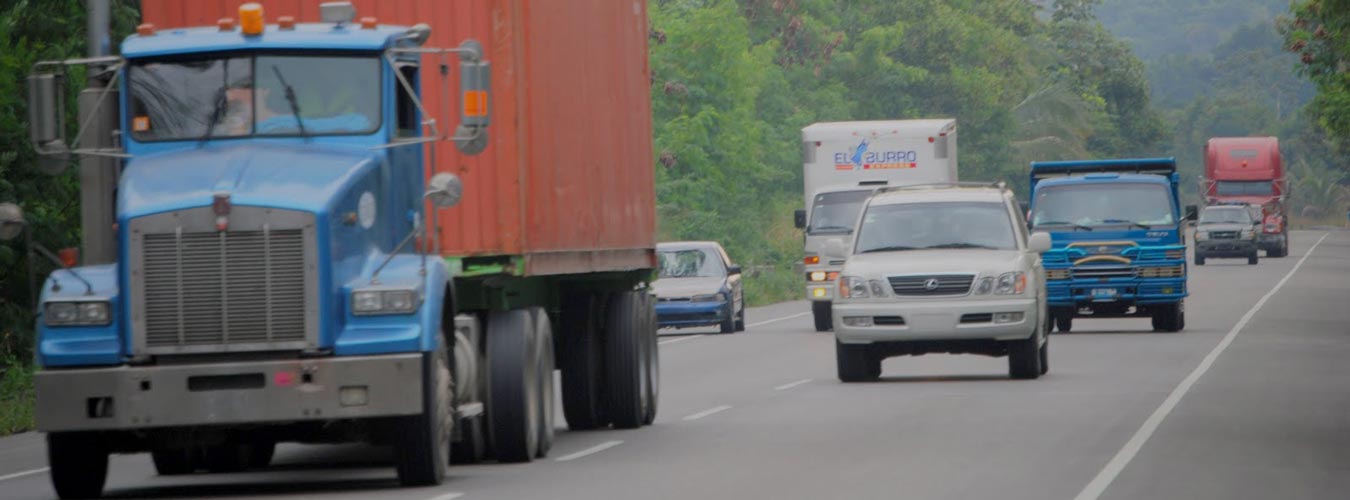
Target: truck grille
(243, 289)
(1104, 272)
(942, 284)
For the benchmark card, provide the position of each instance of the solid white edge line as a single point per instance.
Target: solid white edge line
(681, 339)
(1098, 485)
(790, 385)
(708, 412)
(448, 496)
(775, 320)
(590, 451)
(17, 475)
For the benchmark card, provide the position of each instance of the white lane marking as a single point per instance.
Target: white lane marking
(448, 496)
(707, 412)
(17, 475)
(775, 320)
(590, 451)
(681, 339)
(785, 387)
(1094, 489)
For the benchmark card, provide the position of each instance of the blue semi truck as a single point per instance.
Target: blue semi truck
(1119, 244)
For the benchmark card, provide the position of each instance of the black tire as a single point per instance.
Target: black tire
(1169, 317)
(625, 360)
(583, 370)
(513, 403)
(740, 319)
(472, 444)
(543, 331)
(1024, 358)
(653, 379)
(1199, 260)
(260, 456)
(1064, 321)
(79, 464)
(227, 457)
(820, 311)
(729, 318)
(1159, 323)
(1045, 356)
(856, 362)
(422, 442)
(1252, 259)
(174, 461)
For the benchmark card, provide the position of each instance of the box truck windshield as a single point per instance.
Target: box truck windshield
(1086, 206)
(835, 213)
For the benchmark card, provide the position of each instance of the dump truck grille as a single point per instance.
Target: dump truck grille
(1104, 272)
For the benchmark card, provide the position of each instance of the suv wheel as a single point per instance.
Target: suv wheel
(856, 363)
(1024, 358)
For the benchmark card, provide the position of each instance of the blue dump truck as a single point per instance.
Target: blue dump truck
(1119, 245)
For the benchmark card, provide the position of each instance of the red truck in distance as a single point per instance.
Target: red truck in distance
(1250, 170)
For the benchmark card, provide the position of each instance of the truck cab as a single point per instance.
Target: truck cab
(1119, 247)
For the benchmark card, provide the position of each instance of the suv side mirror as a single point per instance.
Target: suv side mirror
(1039, 242)
(734, 269)
(834, 249)
(1192, 212)
(799, 218)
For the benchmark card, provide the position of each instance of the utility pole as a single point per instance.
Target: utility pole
(98, 174)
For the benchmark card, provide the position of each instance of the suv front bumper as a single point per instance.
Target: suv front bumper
(256, 392)
(1225, 248)
(936, 320)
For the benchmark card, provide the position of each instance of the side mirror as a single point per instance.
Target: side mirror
(834, 249)
(46, 121)
(444, 190)
(1039, 242)
(1192, 212)
(11, 221)
(799, 218)
(734, 269)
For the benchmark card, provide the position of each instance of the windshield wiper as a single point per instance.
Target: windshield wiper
(216, 110)
(1061, 223)
(1130, 222)
(896, 248)
(290, 99)
(962, 245)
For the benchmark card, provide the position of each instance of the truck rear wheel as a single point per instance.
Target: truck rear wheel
(513, 400)
(543, 337)
(422, 442)
(227, 457)
(583, 363)
(820, 311)
(625, 359)
(174, 461)
(855, 362)
(653, 355)
(79, 464)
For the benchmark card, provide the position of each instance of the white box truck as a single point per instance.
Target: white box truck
(842, 163)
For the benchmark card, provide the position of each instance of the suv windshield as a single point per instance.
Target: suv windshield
(1225, 216)
(1089, 205)
(247, 95)
(836, 212)
(690, 263)
(918, 226)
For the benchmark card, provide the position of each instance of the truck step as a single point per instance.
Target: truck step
(469, 410)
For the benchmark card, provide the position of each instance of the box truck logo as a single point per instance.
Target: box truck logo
(862, 159)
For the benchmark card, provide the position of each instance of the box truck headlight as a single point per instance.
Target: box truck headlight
(77, 313)
(385, 301)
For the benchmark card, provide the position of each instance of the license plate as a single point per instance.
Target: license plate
(1103, 293)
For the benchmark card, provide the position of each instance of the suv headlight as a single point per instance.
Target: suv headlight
(853, 287)
(1012, 283)
(77, 313)
(1201, 235)
(708, 297)
(370, 302)
(1248, 233)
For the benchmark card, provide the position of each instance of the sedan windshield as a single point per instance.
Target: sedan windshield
(919, 226)
(1105, 204)
(247, 95)
(1225, 216)
(690, 263)
(836, 212)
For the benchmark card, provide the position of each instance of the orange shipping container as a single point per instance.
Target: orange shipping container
(566, 181)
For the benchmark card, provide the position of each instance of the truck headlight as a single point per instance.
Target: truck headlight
(853, 287)
(77, 313)
(1012, 283)
(708, 297)
(371, 302)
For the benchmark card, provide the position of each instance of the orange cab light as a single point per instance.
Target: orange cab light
(475, 103)
(368, 23)
(145, 29)
(69, 256)
(813, 259)
(286, 22)
(225, 24)
(251, 18)
(833, 275)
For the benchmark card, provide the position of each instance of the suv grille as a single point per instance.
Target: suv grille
(1223, 235)
(941, 284)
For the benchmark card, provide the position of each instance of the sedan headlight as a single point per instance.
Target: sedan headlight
(77, 313)
(369, 302)
(1013, 283)
(709, 297)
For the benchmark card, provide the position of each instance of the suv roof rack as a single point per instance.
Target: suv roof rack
(1001, 185)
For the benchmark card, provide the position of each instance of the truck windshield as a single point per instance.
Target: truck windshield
(921, 226)
(836, 212)
(1225, 216)
(248, 95)
(1244, 188)
(690, 263)
(1103, 204)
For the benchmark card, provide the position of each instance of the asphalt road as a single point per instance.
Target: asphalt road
(1252, 400)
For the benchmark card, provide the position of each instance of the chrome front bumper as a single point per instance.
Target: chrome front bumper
(140, 397)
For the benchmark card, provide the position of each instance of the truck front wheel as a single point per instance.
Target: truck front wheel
(1169, 317)
(820, 311)
(1064, 321)
(422, 442)
(79, 464)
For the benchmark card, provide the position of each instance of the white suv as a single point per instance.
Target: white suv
(946, 269)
